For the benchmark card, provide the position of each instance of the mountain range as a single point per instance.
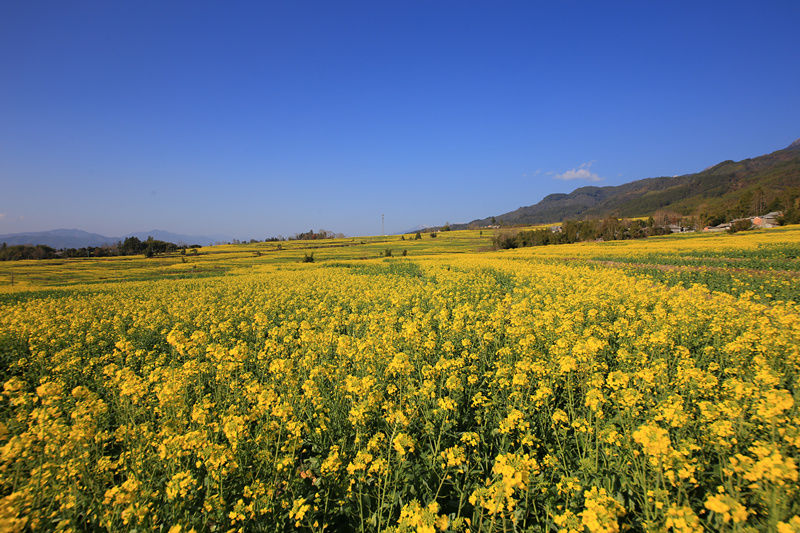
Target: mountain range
(75, 238)
(719, 191)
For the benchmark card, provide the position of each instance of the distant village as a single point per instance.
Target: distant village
(770, 220)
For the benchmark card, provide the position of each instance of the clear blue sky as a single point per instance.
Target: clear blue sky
(266, 118)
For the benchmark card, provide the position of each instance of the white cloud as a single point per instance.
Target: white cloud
(583, 172)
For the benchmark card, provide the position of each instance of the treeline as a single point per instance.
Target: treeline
(754, 202)
(309, 235)
(312, 235)
(24, 251)
(130, 246)
(570, 231)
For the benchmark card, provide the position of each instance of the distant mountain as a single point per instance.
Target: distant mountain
(75, 238)
(722, 188)
(417, 228)
(58, 238)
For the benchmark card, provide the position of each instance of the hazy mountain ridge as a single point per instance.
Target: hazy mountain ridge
(713, 188)
(75, 238)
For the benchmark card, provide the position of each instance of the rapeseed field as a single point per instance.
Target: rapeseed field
(601, 387)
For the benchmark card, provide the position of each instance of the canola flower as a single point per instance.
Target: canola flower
(477, 392)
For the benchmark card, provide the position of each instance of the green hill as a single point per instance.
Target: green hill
(727, 190)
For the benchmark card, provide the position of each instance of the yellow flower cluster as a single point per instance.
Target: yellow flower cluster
(602, 512)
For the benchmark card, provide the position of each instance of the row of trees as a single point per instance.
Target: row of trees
(607, 229)
(24, 251)
(130, 246)
(312, 235)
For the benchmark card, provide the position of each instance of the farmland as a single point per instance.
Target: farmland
(633, 385)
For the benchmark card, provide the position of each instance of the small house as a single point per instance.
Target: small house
(770, 220)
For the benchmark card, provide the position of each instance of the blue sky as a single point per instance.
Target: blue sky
(267, 118)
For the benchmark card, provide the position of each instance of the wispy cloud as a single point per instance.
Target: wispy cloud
(583, 172)
(2, 216)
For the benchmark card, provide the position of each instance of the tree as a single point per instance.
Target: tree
(665, 218)
(132, 246)
(759, 202)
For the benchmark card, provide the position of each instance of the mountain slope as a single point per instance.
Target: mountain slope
(719, 188)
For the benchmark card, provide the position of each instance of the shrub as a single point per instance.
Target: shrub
(740, 225)
(504, 240)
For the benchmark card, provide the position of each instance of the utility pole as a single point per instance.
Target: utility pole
(383, 231)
